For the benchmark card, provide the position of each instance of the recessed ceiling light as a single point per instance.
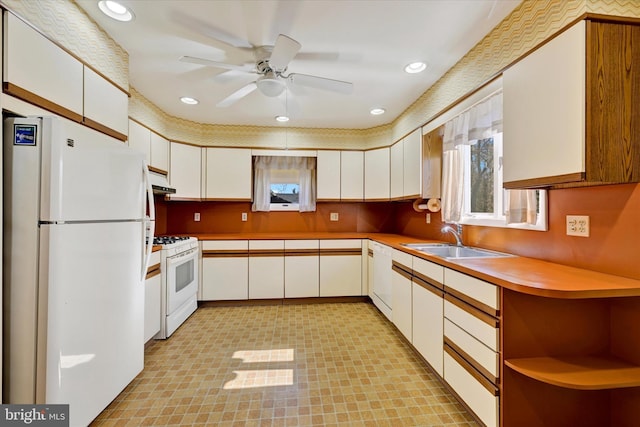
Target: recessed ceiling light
(188, 100)
(282, 119)
(377, 111)
(415, 67)
(115, 10)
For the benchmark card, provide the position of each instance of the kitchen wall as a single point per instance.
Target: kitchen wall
(225, 217)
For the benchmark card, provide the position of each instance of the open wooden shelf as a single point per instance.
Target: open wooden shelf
(579, 372)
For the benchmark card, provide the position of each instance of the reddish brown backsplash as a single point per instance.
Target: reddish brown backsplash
(613, 246)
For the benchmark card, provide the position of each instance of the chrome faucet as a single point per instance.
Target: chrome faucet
(456, 233)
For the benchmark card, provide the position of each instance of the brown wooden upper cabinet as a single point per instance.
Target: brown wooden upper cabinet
(572, 109)
(432, 164)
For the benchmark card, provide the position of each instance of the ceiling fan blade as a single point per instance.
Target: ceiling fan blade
(206, 29)
(283, 52)
(237, 95)
(321, 83)
(216, 64)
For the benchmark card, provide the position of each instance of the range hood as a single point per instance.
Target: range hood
(159, 182)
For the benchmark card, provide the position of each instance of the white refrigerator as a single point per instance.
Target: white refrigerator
(75, 257)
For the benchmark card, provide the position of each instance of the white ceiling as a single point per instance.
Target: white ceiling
(364, 42)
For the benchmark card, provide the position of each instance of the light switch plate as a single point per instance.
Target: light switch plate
(333, 216)
(578, 225)
(196, 216)
(244, 216)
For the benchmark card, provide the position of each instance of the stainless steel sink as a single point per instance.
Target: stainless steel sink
(447, 251)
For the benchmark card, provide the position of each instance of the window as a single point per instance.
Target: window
(284, 183)
(472, 173)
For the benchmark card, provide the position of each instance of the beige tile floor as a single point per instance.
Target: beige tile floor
(285, 365)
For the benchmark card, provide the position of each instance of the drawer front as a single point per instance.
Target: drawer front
(341, 244)
(484, 358)
(483, 402)
(429, 269)
(301, 244)
(266, 245)
(154, 259)
(479, 290)
(221, 245)
(479, 329)
(403, 258)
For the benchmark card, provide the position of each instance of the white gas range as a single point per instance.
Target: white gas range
(179, 278)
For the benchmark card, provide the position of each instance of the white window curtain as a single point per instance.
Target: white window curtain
(522, 207)
(263, 165)
(478, 122)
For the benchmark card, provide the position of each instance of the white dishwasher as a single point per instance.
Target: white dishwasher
(381, 295)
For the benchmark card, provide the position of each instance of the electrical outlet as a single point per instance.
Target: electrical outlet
(428, 218)
(578, 225)
(333, 216)
(244, 216)
(196, 216)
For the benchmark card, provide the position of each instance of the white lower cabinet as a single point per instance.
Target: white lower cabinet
(402, 266)
(301, 268)
(152, 297)
(266, 269)
(472, 343)
(225, 266)
(428, 311)
(340, 267)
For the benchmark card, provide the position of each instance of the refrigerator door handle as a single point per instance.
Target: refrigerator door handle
(148, 223)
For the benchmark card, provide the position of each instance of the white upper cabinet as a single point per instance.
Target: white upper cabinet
(140, 139)
(184, 171)
(544, 110)
(38, 70)
(159, 152)
(104, 103)
(376, 174)
(397, 170)
(412, 164)
(352, 175)
(328, 175)
(228, 174)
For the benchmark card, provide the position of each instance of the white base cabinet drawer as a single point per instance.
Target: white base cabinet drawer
(225, 270)
(483, 402)
(481, 330)
(483, 292)
(266, 269)
(301, 268)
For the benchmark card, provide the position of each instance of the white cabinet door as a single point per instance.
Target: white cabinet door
(428, 312)
(376, 174)
(104, 103)
(159, 152)
(228, 174)
(184, 173)
(266, 269)
(397, 170)
(352, 175)
(301, 268)
(401, 293)
(33, 63)
(412, 169)
(544, 110)
(328, 175)
(140, 139)
(225, 270)
(340, 267)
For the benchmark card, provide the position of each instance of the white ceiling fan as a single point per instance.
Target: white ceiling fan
(271, 64)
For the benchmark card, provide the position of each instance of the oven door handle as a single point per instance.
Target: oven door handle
(176, 259)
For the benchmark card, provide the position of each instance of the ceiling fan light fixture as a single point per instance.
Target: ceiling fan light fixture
(189, 101)
(282, 119)
(415, 67)
(116, 10)
(377, 111)
(270, 85)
